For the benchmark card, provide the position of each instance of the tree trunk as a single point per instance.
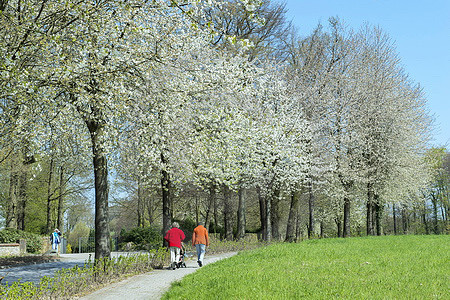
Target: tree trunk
(378, 214)
(322, 229)
(275, 213)
(3, 4)
(424, 218)
(339, 226)
(139, 204)
(210, 208)
(268, 219)
(150, 211)
(227, 213)
(262, 212)
(11, 214)
(49, 197)
(434, 201)
(216, 217)
(404, 220)
(374, 215)
(346, 228)
(444, 219)
(165, 187)
(311, 211)
(447, 212)
(59, 222)
(197, 210)
(298, 231)
(394, 216)
(27, 160)
(291, 223)
(102, 233)
(370, 212)
(23, 184)
(241, 221)
(369, 227)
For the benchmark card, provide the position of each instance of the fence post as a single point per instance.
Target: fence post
(22, 246)
(63, 249)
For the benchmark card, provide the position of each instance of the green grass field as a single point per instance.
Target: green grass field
(388, 267)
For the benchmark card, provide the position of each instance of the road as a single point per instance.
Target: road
(35, 272)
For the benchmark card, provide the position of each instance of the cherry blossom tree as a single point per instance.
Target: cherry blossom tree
(174, 93)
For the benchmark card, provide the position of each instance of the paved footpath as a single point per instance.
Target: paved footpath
(151, 285)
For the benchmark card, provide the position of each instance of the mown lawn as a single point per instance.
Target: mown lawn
(388, 267)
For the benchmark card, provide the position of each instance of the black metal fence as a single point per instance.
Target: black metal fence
(87, 244)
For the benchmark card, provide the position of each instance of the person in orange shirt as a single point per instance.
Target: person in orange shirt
(200, 240)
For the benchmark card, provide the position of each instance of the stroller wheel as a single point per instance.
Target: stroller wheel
(184, 265)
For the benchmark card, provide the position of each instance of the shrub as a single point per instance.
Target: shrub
(187, 226)
(220, 246)
(11, 235)
(144, 238)
(213, 228)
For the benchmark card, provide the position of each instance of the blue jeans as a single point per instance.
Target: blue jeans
(201, 249)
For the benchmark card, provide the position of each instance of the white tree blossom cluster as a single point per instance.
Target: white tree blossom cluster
(143, 86)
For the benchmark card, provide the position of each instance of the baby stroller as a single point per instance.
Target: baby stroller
(181, 263)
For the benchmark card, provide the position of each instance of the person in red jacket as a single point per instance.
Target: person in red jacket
(174, 237)
(200, 241)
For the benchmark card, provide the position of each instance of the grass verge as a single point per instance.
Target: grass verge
(388, 267)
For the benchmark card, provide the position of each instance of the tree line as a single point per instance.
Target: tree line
(213, 110)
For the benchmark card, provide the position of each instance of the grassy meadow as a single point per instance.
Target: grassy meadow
(387, 267)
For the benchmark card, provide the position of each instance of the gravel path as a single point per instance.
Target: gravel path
(151, 285)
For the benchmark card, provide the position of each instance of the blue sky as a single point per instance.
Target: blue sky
(420, 29)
